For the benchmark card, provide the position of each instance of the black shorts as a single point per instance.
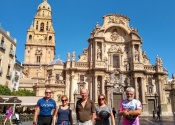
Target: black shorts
(44, 120)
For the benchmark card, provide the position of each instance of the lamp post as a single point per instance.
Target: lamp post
(14, 105)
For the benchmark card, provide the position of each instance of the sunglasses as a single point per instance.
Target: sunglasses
(63, 100)
(129, 94)
(101, 98)
(48, 92)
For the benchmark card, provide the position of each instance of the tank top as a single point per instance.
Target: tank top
(63, 114)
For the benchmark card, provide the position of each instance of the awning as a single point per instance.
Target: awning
(1, 100)
(29, 100)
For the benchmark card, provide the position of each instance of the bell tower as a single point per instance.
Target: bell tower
(40, 43)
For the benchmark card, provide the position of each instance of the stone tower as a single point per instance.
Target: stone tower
(40, 43)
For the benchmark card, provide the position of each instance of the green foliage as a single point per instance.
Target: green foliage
(4, 90)
(23, 92)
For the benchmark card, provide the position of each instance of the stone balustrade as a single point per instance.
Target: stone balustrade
(44, 42)
(62, 82)
(82, 65)
(149, 68)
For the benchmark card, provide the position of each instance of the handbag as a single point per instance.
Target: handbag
(104, 114)
(131, 117)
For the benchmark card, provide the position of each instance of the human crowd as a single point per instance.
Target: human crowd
(47, 112)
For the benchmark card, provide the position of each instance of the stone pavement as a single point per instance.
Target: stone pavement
(168, 120)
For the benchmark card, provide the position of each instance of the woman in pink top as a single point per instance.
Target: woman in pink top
(8, 115)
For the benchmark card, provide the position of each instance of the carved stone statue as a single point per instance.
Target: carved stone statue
(73, 56)
(136, 57)
(159, 61)
(127, 81)
(98, 53)
(127, 67)
(173, 76)
(68, 56)
(114, 36)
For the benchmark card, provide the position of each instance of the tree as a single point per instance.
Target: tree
(23, 92)
(4, 90)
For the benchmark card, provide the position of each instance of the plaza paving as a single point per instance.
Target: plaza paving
(143, 121)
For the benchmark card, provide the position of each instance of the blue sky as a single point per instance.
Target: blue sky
(74, 20)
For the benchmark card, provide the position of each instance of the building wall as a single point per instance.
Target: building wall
(7, 57)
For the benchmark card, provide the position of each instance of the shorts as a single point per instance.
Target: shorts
(44, 120)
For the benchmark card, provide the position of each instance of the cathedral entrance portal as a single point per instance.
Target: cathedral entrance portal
(117, 98)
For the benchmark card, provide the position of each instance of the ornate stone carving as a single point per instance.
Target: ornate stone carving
(98, 53)
(127, 81)
(68, 56)
(159, 61)
(114, 36)
(73, 56)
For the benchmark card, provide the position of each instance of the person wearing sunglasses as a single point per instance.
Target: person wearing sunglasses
(85, 109)
(63, 113)
(104, 114)
(130, 108)
(44, 110)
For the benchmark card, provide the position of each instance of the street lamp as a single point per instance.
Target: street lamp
(14, 104)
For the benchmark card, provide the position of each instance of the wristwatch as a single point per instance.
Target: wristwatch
(34, 122)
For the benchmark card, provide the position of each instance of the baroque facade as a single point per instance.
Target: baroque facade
(113, 60)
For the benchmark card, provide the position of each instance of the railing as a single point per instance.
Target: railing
(150, 68)
(60, 82)
(12, 53)
(1, 70)
(9, 75)
(82, 65)
(46, 42)
(2, 46)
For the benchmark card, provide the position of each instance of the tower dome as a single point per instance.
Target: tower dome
(57, 62)
(44, 5)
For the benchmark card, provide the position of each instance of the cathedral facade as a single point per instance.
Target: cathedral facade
(113, 60)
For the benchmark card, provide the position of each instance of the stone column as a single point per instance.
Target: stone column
(91, 51)
(90, 87)
(140, 54)
(143, 91)
(95, 47)
(102, 85)
(136, 86)
(71, 89)
(133, 54)
(96, 89)
(160, 91)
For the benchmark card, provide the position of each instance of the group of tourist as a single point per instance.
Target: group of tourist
(48, 113)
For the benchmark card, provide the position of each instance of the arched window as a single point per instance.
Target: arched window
(2, 41)
(43, 13)
(47, 26)
(38, 59)
(37, 25)
(50, 37)
(42, 27)
(30, 37)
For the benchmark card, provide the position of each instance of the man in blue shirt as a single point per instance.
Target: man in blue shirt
(44, 109)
